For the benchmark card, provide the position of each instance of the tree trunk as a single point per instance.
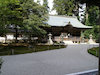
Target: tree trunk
(5, 38)
(87, 12)
(30, 38)
(16, 34)
(77, 9)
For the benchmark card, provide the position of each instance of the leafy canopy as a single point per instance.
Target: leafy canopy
(34, 16)
(9, 14)
(26, 14)
(64, 7)
(93, 16)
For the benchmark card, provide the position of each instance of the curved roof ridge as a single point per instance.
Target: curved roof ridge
(64, 16)
(60, 20)
(80, 25)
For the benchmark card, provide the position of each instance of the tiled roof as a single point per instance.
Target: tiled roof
(63, 21)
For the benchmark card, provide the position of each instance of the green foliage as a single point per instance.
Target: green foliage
(94, 31)
(88, 32)
(94, 51)
(64, 7)
(38, 1)
(93, 16)
(3, 18)
(34, 16)
(25, 14)
(45, 4)
(10, 14)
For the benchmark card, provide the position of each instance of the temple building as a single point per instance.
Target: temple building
(68, 27)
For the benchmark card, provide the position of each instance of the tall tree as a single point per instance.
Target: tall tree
(34, 16)
(64, 7)
(24, 14)
(38, 1)
(45, 4)
(3, 17)
(15, 18)
(10, 14)
(93, 16)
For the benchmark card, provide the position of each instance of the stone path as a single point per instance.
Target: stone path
(64, 61)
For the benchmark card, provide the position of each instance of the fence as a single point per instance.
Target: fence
(73, 39)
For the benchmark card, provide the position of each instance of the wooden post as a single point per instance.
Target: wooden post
(48, 47)
(12, 51)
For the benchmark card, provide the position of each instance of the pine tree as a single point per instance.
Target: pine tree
(93, 16)
(64, 7)
(38, 1)
(10, 15)
(34, 16)
(25, 14)
(45, 4)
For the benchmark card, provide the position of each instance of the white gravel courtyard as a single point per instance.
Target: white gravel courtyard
(72, 59)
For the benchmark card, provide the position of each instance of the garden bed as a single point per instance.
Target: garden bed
(94, 51)
(14, 49)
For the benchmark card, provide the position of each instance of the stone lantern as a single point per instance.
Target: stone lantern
(62, 37)
(50, 42)
(91, 39)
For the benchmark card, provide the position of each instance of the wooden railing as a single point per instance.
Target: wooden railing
(73, 39)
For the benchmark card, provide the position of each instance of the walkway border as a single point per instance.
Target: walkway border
(78, 73)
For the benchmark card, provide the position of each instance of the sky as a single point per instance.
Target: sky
(50, 4)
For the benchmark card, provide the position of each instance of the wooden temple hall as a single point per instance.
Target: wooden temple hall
(67, 27)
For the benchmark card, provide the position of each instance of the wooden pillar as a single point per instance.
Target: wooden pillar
(82, 36)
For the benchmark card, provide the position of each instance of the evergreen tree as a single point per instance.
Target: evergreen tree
(45, 4)
(93, 16)
(38, 1)
(3, 17)
(65, 7)
(25, 14)
(10, 14)
(34, 16)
